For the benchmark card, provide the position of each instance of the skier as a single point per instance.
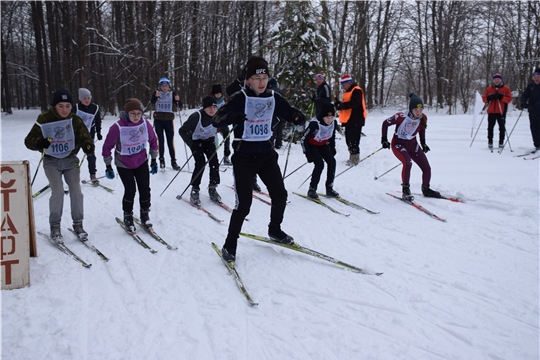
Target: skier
(89, 113)
(164, 101)
(252, 111)
(129, 136)
(406, 148)
(59, 134)
(217, 93)
(319, 145)
(198, 133)
(531, 99)
(499, 96)
(323, 94)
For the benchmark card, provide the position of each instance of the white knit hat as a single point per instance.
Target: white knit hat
(84, 93)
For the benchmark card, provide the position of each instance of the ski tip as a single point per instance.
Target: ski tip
(88, 266)
(178, 197)
(378, 274)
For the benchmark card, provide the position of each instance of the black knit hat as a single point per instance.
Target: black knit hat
(415, 102)
(216, 89)
(327, 110)
(61, 96)
(209, 101)
(257, 66)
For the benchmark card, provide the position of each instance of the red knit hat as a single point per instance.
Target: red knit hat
(345, 79)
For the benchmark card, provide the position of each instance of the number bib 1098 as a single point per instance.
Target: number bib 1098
(259, 113)
(61, 136)
(133, 139)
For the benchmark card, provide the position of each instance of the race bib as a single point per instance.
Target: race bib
(259, 113)
(61, 136)
(133, 139)
(164, 102)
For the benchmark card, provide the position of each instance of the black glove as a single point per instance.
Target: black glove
(109, 173)
(153, 167)
(89, 149)
(43, 143)
(310, 158)
(425, 148)
(384, 142)
(337, 104)
(524, 106)
(500, 96)
(333, 151)
(314, 98)
(239, 118)
(298, 118)
(492, 97)
(99, 136)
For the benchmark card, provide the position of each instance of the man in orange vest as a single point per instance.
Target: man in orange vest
(499, 96)
(352, 116)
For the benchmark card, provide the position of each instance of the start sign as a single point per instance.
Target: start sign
(17, 224)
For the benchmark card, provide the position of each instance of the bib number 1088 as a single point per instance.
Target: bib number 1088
(261, 129)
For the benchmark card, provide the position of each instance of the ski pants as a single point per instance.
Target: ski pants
(168, 127)
(322, 154)
(208, 149)
(245, 167)
(92, 158)
(534, 119)
(499, 119)
(227, 145)
(134, 179)
(54, 169)
(408, 151)
(352, 138)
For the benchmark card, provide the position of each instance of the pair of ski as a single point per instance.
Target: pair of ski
(139, 240)
(97, 184)
(295, 247)
(424, 210)
(527, 154)
(258, 197)
(44, 189)
(340, 199)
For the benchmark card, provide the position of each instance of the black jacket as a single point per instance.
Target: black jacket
(186, 131)
(532, 94)
(324, 96)
(91, 109)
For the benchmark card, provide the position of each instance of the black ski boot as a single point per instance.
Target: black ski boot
(56, 233)
(128, 221)
(174, 165)
(331, 192)
(406, 192)
(427, 192)
(194, 197)
(162, 163)
(228, 257)
(278, 235)
(312, 193)
(256, 186)
(145, 218)
(79, 231)
(226, 161)
(214, 196)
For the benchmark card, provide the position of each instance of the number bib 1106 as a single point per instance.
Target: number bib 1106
(164, 102)
(259, 113)
(61, 136)
(133, 139)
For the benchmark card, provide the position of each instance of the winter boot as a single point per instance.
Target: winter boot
(355, 159)
(331, 192)
(194, 197)
(128, 221)
(145, 218)
(56, 233)
(174, 165)
(214, 196)
(406, 192)
(427, 192)
(227, 256)
(162, 163)
(94, 180)
(490, 145)
(312, 193)
(256, 186)
(226, 161)
(276, 234)
(79, 231)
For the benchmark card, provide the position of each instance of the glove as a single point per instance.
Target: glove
(492, 97)
(314, 98)
(425, 148)
(89, 149)
(239, 118)
(333, 150)
(153, 167)
(384, 142)
(500, 96)
(43, 143)
(298, 118)
(524, 106)
(310, 158)
(109, 173)
(99, 136)
(338, 105)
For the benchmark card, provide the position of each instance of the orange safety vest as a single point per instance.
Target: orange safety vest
(345, 114)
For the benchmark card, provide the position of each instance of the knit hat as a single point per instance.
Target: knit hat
(320, 76)
(497, 76)
(257, 66)
(536, 72)
(84, 93)
(415, 102)
(272, 82)
(345, 79)
(164, 80)
(327, 110)
(216, 89)
(61, 96)
(132, 104)
(208, 101)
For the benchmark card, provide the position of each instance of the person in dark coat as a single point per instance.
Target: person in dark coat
(89, 113)
(530, 99)
(323, 95)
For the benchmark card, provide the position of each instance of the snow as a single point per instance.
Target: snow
(464, 289)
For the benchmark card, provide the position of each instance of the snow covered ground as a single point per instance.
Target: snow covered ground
(464, 289)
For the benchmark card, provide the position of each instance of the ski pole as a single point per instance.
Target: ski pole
(185, 146)
(41, 191)
(378, 177)
(37, 169)
(178, 172)
(479, 125)
(309, 177)
(298, 168)
(508, 136)
(350, 167)
(289, 151)
(80, 163)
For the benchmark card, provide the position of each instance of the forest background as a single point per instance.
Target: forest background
(444, 51)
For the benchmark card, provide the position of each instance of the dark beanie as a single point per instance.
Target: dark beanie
(415, 102)
(256, 66)
(272, 82)
(61, 96)
(327, 110)
(209, 101)
(132, 104)
(536, 72)
(216, 89)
